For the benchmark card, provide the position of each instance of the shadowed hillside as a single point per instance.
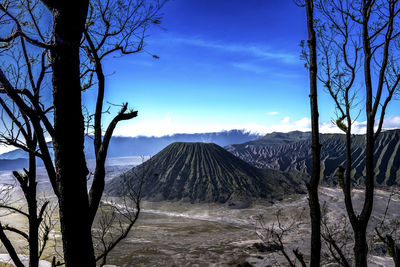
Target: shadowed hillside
(296, 156)
(277, 138)
(203, 172)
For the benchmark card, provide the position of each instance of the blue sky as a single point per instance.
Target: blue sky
(223, 65)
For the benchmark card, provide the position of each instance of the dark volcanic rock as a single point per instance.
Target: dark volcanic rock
(203, 172)
(291, 155)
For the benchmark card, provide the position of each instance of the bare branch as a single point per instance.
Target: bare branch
(15, 230)
(10, 249)
(14, 210)
(385, 104)
(20, 33)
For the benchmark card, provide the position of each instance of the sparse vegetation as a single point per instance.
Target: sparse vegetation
(199, 204)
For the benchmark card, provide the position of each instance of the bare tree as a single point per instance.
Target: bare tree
(388, 231)
(310, 56)
(117, 216)
(115, 221)
(274, 235)
(353, 33)
(18, 131)
(39, 228)
(337, 238)
(70, 49)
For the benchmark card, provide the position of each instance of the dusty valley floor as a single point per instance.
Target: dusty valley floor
(178, 234)
(183, 234)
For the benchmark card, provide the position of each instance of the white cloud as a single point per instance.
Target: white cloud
(391, 122)
(168, 117)
(272, 113)
(303, 123)
(329, 127)
(5, 148)
(167, 126)
(285, 120)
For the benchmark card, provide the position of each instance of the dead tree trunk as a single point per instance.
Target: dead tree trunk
(32, 211)
(312, 186)
(68, 140)
(115, 29)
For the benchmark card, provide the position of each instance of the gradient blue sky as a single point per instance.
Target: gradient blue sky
(223, 65)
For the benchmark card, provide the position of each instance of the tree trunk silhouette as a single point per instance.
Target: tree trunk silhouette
(342, 53)
(360, 247)
(312, 186)
(32, 211)
(112, 27)
(68, 140)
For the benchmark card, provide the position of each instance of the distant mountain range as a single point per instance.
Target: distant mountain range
(292, 152)
(203, 172)
(13, 164)
(279, 151)
(139, 146)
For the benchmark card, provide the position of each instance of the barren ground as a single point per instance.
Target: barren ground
(183, 234)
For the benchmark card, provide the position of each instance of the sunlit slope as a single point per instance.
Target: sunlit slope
(203, 172)
(296, 156)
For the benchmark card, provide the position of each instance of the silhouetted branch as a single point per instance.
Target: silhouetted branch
(10, 249)
(15, 230)
(19, 33)
(14, 210)
(275, 234)
(337, 237)
(300, 257)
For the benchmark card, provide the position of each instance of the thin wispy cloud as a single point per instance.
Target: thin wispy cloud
(250, 67)
(142, 63)
(272, 113)
(253, 50)
(259, 69)
(168, 117)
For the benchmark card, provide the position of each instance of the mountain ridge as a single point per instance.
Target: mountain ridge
(296, 156)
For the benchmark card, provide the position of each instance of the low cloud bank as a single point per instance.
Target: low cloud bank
(168, 126)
